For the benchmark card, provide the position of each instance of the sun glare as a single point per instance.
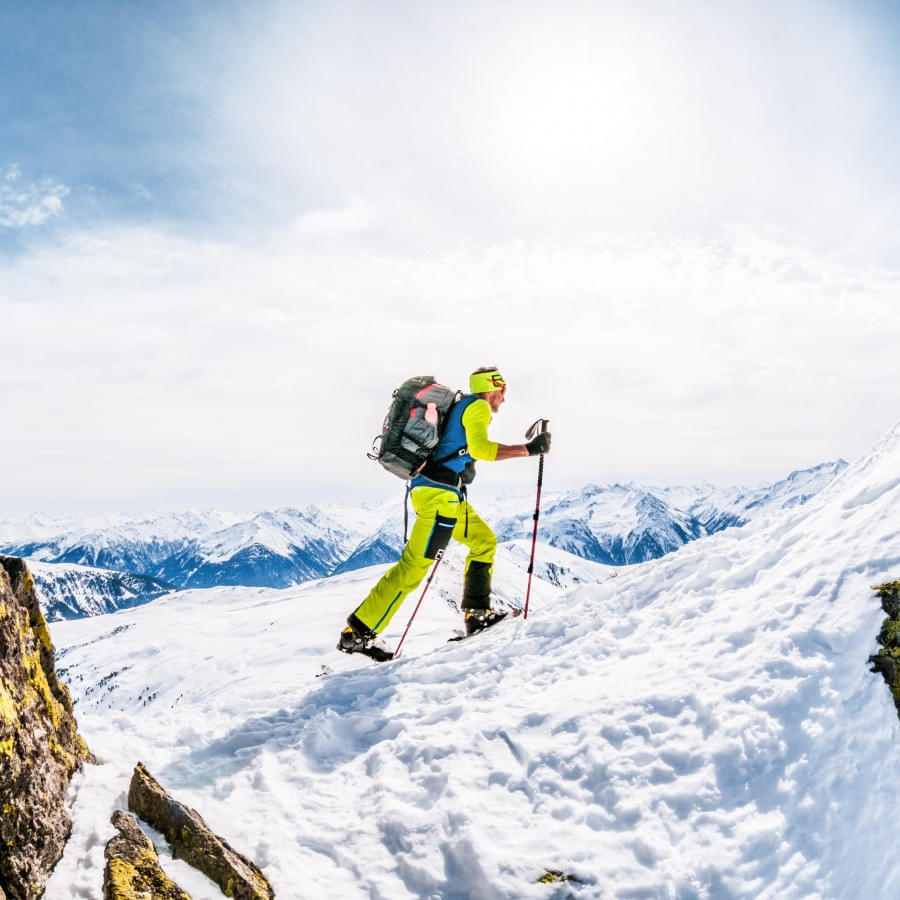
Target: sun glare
(576, 111)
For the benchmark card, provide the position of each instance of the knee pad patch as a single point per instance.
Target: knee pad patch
(440, 535)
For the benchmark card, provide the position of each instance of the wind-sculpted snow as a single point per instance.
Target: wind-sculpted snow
(703, 725)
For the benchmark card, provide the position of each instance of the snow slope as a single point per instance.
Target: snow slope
(702, 725)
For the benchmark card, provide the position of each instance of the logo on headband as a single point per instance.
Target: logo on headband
(497, 380)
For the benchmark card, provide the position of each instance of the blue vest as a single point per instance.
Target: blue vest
(451, 452)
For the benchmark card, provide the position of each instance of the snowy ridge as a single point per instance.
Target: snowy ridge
(272, 549)
(67, 591)
(621, 524)
(115, 529)
(702, 725)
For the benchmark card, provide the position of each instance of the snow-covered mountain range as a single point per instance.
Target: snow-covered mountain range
(68, 591)
(623, 524)
(612, 524)
(701, 725)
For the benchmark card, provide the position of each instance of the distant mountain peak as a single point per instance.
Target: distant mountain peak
(615, 524)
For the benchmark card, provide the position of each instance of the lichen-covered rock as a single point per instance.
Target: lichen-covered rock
(193, 841)
(132, 866)
(40, 748)
(887, 660)
(889, 595)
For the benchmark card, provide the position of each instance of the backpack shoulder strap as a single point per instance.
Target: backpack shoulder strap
(461, 403)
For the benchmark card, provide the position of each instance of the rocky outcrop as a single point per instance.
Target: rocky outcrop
(192, 840)
(132, 866)
(887, 660)
(40, 748)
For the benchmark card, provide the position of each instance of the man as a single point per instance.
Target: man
(438, 495)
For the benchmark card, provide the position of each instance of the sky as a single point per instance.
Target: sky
(229, 230)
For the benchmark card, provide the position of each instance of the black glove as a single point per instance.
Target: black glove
(539, 444)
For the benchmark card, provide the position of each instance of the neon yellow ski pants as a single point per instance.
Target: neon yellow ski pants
(440, 515)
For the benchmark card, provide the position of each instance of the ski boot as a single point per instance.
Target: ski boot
(477, 597)
(356, 638)
(479, 619)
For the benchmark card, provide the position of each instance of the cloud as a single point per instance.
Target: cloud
(484, 122)
(152, 367)
(354, 217)
(466, 123)
(673, 227)
(24, 203)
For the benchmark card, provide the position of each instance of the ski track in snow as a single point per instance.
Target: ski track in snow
(704, 725)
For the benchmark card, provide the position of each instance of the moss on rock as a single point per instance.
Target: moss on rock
(8, 710)
(192, 840)
(132, 866)
(40, 748)
(887, 660)
(554, 876)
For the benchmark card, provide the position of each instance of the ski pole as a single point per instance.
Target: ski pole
(437, 562)
(542, 425)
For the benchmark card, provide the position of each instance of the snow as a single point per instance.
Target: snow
(106, 527)
(702, 725)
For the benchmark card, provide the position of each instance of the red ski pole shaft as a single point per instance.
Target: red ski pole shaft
(437, 562)
(537, 513)
(537, 510)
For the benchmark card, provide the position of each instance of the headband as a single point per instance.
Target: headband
(484, 382)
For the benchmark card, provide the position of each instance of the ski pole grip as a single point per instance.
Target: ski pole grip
(539, 424)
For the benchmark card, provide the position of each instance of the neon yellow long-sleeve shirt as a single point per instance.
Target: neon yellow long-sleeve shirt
(475, 419)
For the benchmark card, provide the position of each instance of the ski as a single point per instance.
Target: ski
(376, 653)
(379, 655)
(508, 614)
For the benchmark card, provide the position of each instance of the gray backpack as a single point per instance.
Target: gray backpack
(413, 425)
